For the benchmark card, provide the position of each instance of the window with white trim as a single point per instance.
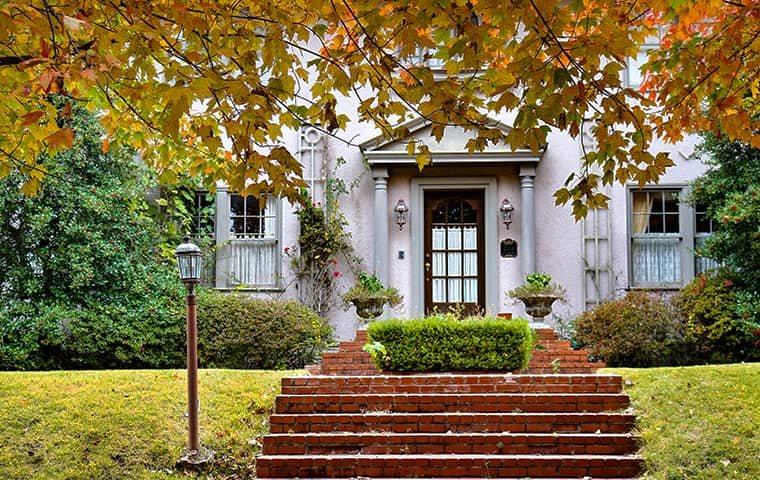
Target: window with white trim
(634, 77)
(254, 242)
(656, 238)
(703, 228)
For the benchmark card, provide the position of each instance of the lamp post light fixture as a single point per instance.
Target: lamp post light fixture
(190, 265)
(401, 211)
(506, 210)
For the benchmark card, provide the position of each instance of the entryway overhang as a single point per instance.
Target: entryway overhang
(383, 155)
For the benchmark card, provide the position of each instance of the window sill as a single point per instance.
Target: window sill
(251, 289)
(659, 288)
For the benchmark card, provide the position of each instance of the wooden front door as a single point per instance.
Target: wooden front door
(454, 255)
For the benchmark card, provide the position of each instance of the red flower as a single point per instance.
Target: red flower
(336, 274)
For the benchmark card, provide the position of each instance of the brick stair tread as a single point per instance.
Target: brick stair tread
(459, 443)
(470, 465)
(453, 422)
(447, 402)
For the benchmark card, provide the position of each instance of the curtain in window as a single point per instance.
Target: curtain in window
(656, 260)
(642, 208)
(253, 262)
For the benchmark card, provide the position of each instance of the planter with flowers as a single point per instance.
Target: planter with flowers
(370, 296)
(538, 293)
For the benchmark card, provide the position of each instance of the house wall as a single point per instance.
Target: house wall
(558, 236)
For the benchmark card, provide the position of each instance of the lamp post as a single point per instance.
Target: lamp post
(190, 265)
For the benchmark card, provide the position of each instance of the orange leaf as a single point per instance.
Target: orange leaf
(32, 117)
(62, 138)
(105, 146)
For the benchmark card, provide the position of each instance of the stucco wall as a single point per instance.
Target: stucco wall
(558, 236)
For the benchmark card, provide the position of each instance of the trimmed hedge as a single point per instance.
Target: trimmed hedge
(238, 331)
(445, 343)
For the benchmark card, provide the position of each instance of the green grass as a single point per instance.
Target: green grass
(128, 424)
(698, 422)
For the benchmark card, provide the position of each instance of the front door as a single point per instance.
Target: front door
(454, 261)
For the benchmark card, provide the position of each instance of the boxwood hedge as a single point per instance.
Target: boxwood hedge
(445, 343)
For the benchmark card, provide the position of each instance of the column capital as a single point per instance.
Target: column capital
(379, 173)
(527, 170)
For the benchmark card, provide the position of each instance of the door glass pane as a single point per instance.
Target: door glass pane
(455, 264)
(439, 238)
(439, 264)
(439, 213)
(470, 290)
(454, 212)
(471, 263)
(470, 238)
(455, 290)
(469, 215)
(455, 238)
(439, 290)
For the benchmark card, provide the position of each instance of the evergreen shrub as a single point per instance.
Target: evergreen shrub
(445, 343)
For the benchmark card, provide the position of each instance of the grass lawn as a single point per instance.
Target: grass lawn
(697, 422)
(127, 424)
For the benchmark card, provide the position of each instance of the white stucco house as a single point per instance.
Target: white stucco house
(454, 247)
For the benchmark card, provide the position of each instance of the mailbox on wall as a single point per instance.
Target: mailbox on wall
(508, 248)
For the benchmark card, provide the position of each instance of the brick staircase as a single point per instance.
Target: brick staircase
(552, 355)
(360, 423)
(451, 425)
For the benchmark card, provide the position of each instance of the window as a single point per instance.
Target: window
(703, 228)
(656, 239)
(251, 218)
(634, 78)
(254, 259)
(200, 206)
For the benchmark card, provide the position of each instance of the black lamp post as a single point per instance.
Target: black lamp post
(190, 265)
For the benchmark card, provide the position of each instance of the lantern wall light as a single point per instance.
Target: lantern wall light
(401, 211)
(506, 210)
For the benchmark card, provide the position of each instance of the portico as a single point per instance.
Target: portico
(454, 255)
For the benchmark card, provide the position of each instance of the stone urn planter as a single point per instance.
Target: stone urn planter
(369, 296)
(538, 306)
(369, 308)
(538, 293)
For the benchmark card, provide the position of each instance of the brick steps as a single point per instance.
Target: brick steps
(469, 466)
(456, 422)
(552, 355)
(452, 402)
(459, 443)
(454, 383)
(352, 421)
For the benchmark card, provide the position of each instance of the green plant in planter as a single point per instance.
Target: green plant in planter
(538, 293)
(369, 296)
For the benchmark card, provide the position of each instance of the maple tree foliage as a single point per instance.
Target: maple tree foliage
(208, 88)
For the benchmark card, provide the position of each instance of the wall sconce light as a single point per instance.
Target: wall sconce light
(401, 211)
(506, 210)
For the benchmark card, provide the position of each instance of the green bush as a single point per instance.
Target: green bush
(722, 323)
(444, 343)
(238, 331)
(638, 330)
(81, 282)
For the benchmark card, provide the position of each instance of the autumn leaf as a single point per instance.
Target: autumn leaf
(62, 138)
(32, 117)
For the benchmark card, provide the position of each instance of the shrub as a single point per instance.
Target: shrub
(538, 284)
(81, 283)
(237, 331)
(722, 323)
(639, 330)
(443, 343)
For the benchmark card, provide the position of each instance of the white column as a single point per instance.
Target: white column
(380, 175)
(222, 236)
(528, 218)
